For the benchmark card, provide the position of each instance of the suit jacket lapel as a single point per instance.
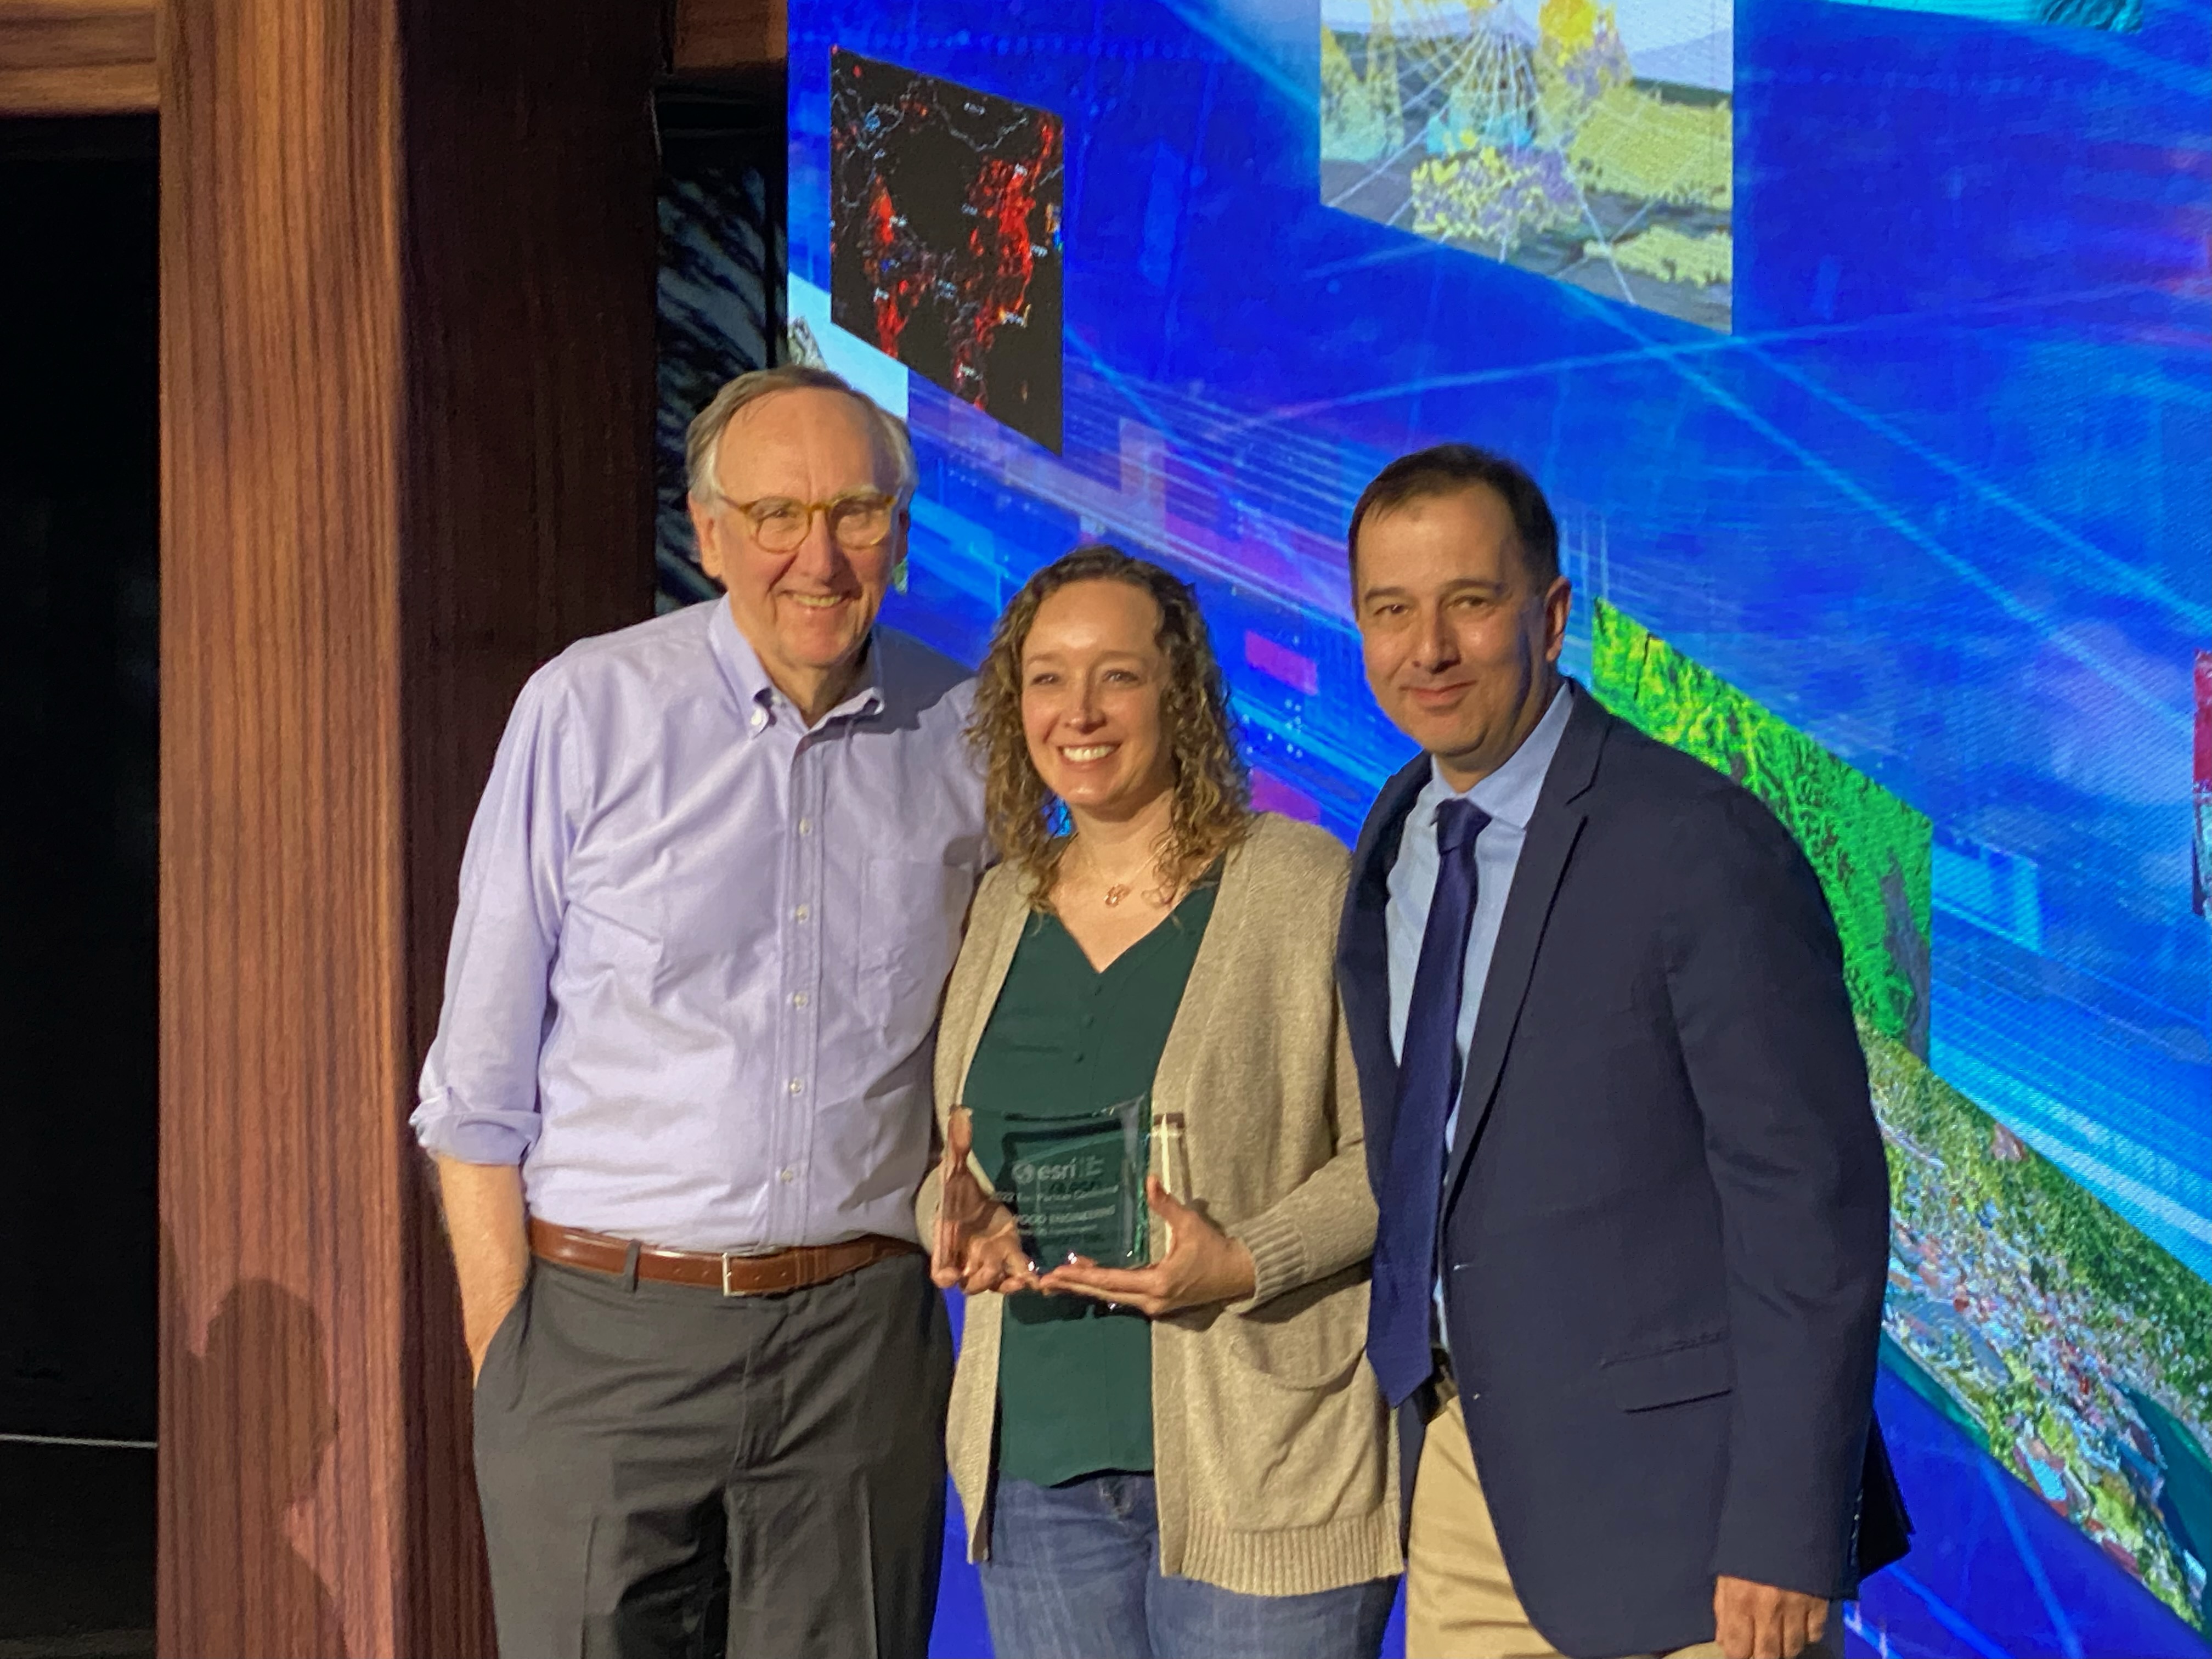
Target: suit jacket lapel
(1363, 957)
(1553, 830)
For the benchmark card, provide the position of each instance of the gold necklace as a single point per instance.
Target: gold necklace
(1115, 890)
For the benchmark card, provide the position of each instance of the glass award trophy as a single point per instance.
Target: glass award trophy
(1076, 1185)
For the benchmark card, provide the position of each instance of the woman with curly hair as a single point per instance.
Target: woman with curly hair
(1183, 1452)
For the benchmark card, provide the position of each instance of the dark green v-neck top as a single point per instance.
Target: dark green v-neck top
(1075, 1379)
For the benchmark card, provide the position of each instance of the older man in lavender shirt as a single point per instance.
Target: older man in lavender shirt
(678, 1099)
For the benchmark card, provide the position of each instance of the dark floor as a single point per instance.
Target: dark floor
(76, 1551)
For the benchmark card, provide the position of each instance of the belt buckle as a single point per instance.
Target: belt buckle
(789, 1269)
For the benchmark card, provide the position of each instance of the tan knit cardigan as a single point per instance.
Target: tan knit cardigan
(1275, 1469)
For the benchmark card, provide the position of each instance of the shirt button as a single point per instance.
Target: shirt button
(797, 1085)
(799, 999)
(806, 826)
(799, 914)
(759, 718)
(786, 1176)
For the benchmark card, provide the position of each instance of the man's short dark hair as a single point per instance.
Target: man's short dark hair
(1447, 469)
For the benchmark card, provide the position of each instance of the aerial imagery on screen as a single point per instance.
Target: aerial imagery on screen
(1865, 351)
(1580, 140)
(2020, 1308)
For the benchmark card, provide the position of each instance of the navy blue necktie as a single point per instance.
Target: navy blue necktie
(1428, 1078)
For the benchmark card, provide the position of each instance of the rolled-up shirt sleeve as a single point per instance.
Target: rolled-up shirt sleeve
(478, 1100)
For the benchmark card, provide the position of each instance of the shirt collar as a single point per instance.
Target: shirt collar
(756, 694)
(1509, 795)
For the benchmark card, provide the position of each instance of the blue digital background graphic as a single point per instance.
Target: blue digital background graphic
(1941, 499)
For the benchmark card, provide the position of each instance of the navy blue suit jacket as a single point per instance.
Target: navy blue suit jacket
(1666, 1221)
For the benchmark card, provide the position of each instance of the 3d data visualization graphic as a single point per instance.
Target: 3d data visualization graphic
(944, 237)
(1578, 139)
(1865, 352)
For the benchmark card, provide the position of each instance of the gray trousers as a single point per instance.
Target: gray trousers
(666, 1471)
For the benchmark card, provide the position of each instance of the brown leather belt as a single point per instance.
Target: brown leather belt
(793, 1269)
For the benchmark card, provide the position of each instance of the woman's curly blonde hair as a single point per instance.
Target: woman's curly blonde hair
(1211, 806)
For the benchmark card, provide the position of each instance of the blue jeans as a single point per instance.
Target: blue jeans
(1074, 1573)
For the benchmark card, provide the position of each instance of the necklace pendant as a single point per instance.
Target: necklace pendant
(1117, 893)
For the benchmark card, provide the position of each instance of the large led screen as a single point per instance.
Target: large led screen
(1864, 350)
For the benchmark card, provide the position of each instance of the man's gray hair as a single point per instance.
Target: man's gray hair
(703, 442)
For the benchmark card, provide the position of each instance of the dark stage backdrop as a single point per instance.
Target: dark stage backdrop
(1865, 351)
(78, 625)
(719, 309)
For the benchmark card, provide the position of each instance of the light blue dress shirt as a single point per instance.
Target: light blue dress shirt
(695, 973)
(1509, 796)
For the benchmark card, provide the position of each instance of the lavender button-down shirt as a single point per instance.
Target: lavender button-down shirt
(694, 975)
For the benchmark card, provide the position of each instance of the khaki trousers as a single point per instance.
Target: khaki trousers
(1460, 1601)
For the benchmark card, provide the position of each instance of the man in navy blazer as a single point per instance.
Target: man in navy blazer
(1634, 1211)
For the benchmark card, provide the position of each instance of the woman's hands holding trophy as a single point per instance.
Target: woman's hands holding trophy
(1202, 1265)
(978, 1245)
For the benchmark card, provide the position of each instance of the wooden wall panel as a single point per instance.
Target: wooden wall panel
(77, 56)
(711, 36)
(407, 365)
(529, 308)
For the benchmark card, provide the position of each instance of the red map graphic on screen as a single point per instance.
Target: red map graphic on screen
(944, 213)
